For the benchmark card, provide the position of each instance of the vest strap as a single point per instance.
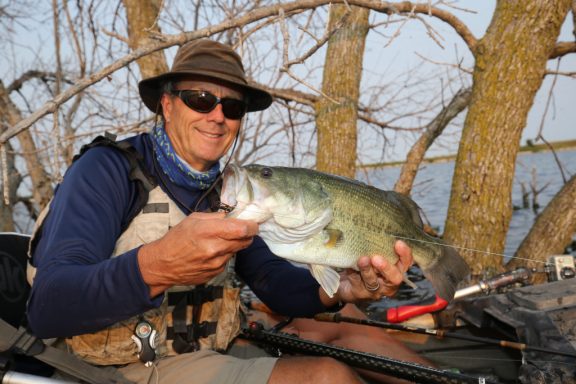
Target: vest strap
(204, 329)
(199, 295)
(185, 336)
(188, 342)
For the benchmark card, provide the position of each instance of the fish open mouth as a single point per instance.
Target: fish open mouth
(242, 196)
(228, 194)
(235, 180)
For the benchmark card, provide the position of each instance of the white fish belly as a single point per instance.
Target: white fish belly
(313, 251)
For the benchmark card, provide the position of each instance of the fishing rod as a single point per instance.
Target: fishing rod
(396, 368)
(337, 318)
(519, 275)
(405, 312)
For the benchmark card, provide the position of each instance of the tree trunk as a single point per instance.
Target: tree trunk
(510, 65)
(41, 186)
(14, 179)
(336, 122)
(141, 16)
(551, 233)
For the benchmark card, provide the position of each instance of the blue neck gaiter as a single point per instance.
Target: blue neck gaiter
(177, 169)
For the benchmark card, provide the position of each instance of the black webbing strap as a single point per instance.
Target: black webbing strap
(185, 336)
(203, 329)
(22, 342)
(138, 171)
(198, 295)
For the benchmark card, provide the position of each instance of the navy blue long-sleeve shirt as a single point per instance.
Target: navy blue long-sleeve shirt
(79, 288)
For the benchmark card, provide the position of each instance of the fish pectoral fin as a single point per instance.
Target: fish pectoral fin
(328, 278)
(333, 237)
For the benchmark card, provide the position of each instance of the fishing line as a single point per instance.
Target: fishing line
(469, 249)
(220, 176)
(433, 354)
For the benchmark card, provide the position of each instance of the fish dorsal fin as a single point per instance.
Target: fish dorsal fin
(327, 277)
(408, 205)
(334, 237)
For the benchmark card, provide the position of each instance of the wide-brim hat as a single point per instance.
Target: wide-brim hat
(205, 59)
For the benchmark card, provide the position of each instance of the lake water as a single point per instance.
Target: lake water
(432, 192)
(433, 183)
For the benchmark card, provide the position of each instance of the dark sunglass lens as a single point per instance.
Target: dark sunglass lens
(200, 101)
(204, 102)
(233, 109)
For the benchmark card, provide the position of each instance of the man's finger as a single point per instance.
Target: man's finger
(235, 229)
(368, 274)
(390, 272)
(404, 253)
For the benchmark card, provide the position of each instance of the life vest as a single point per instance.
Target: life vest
(189, 318)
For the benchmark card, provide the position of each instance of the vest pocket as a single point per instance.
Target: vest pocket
(112, 345)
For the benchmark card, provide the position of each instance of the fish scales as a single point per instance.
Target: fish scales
(368, 209)
(329, 221)
(365, 209)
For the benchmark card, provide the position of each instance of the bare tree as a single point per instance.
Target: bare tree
(337, 114)
(551, 232)
(39, 178)
(142, 19)
(510, 66)
(93, 89)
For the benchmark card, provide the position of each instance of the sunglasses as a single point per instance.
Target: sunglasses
(204, 102)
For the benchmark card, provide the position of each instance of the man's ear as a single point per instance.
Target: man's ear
(167, 104)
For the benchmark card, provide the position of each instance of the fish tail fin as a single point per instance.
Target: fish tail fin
(448, 270)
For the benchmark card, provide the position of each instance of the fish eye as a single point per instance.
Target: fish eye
(266, 172)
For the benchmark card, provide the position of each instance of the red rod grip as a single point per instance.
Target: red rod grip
(403, 313)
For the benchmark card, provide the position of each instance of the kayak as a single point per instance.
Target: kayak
(523, 334)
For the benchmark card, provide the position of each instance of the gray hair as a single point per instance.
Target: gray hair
(168, 87)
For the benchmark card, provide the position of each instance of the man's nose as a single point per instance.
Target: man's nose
(217, 114)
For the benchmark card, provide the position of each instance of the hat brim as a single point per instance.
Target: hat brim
(151, 89)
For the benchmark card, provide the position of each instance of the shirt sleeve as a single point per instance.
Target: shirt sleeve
(78, 287)
(285, 288)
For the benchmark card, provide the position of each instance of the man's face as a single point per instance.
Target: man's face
(199, 138)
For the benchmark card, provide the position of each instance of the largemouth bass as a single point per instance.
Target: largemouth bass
(329, 221)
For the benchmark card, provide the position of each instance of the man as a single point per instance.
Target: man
(140, 286)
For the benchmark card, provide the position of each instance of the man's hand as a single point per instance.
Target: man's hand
(375, 279)
(194, 251)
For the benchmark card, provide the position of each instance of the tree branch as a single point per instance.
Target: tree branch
(410, 168)
(29, 75)
(563, 48)
(293, 95)
(551, 233)
(166, 41)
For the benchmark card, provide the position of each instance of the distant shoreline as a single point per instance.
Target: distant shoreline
(528, 148)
